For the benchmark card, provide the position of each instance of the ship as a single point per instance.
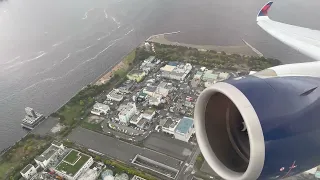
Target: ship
(32, 118)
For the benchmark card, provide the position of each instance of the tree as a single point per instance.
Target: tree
(81, 102)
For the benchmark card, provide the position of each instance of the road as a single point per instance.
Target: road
(186, 170)
(117, 149)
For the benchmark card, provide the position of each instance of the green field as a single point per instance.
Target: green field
(91, 126)
(72, 157)
(72, 169)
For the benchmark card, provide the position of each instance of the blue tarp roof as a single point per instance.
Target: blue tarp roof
(173, 63)
(184, 125)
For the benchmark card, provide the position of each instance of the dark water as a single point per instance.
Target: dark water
(51, 49)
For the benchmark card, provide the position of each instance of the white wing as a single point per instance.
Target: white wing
(304, 40)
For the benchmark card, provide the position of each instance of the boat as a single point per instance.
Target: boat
(32, 118)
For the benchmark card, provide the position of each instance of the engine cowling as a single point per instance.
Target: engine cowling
(260, 128)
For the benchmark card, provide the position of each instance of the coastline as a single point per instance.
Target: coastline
(241, 49)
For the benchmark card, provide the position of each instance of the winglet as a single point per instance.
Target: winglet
(264, 10)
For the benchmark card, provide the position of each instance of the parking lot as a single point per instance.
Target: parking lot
(118, 149)
(45, 127)
(167, 145)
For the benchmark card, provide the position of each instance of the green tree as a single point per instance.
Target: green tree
(81, 102)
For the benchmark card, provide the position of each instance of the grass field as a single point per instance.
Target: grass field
(72, 169)
(72, 157)
(71, 112)
(91, 126)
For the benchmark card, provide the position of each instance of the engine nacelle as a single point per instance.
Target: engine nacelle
(260, 128)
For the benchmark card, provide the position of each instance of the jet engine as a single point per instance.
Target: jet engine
(260, 126)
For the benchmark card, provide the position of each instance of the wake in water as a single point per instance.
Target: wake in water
(40, 54)
(86, 13)
(57, 44)
(56, 63)
(129, 31)
(12, 60)
(117, 22)
(100, 38)
(105, 14)
(80, 50)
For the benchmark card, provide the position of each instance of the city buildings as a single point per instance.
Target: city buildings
(184, 129)
(114, 95)
(224, 75)
(169, 126)
(127, 112)
(73, 165)
(149, 114)
(28, 171)
(100, 109)
(176, 71)
(136, 75)
(210, 75)
(50, 154)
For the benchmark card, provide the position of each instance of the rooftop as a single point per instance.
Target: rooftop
(57, 143)
(100, 106)
(150, 59)
(127, 108)
(184, 125)
(72, 163)
(151, 88)
(168, 68)
(210, 75)
(26, 169)
(47, 153)
(169, 124)
(114, 94)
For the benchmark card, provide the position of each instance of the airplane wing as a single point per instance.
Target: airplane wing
(304, 40)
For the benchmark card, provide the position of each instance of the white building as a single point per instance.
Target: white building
(154, 101)
(50, 154)
(149, 114)
(184, 129)
(169, 126)
(28, 171)
(73, 165)
(114, 95)
(176, 71)
(164, 88)
(100, 109)
(224, 75)
(127, 112)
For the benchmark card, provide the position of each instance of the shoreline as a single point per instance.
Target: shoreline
(241, 49)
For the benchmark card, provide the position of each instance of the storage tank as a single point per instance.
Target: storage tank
(107, 175)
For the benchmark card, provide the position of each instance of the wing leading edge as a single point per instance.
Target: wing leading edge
(304, 40)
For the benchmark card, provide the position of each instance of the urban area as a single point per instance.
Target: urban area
(141, 128)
